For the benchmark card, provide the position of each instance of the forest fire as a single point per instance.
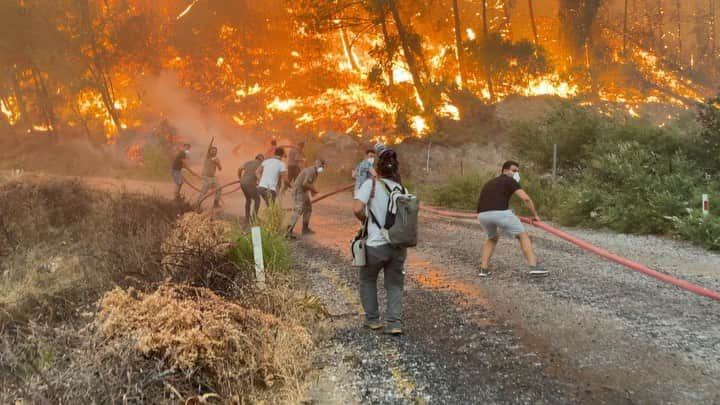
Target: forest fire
(377, 69)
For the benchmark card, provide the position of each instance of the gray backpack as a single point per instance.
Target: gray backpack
(402, 217)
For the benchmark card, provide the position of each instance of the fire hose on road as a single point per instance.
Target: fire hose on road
(594, 249)
(547, 228)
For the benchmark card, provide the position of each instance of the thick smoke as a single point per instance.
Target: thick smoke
(198, 124)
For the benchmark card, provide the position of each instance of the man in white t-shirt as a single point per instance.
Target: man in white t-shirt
(270, 173)
(371, 200)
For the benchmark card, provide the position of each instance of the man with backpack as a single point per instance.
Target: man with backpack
(495, 215)
(303, 189)
(389, 216)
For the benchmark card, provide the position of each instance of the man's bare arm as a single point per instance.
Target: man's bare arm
(528, 202)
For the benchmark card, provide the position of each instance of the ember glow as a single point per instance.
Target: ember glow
(308, 68)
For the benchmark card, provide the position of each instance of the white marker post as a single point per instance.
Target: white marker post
(258, 254)
(705, 205)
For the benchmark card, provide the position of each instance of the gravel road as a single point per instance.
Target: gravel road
(591, 332)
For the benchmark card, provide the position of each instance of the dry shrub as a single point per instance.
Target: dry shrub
(237, 348)
(63, 243)
(196, 250)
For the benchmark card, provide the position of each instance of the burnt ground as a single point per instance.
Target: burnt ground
(591, 332)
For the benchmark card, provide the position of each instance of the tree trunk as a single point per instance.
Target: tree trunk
(507, 12)
(410, 57)
(103, 83)
(625, 30)
(458, 43)
(678, 60)
(389, 53)
(347, 47)
(24, 120)
(488, 69)
(44, 100)
(660, 28)
(532, 23)
(712, 31)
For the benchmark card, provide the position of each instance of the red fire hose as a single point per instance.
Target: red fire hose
(594, 249)
(220, 188)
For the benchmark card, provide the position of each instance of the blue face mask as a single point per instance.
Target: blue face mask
(516, 176)
(371, 160)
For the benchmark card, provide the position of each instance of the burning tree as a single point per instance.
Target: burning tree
(385, 69)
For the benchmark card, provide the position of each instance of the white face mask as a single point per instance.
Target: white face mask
(320, 169)
(516, 176)
(371, 160)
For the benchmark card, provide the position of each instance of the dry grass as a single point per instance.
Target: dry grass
(235, 348)
(196, 250)
(63, 244)
(181, 321)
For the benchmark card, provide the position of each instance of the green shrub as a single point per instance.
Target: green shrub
(632, 190)
(573, 128)
(462, 192)
(704, 231)
(276, 251)
(459, 192)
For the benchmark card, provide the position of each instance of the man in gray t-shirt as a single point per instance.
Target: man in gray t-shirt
(371, 200)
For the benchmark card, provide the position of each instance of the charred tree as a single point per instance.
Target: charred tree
(576, 22)
(97, 66)
(458, 43)
(410, 57)
(488, 68)
(532, 22)
(44, 102)
(24, 120)
(625, 30)
(678, 33)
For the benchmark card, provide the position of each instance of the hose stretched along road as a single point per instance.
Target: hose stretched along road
(538, 224)
(594, 249)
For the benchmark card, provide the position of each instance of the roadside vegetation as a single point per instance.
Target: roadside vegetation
(126, 298)
(625, 175)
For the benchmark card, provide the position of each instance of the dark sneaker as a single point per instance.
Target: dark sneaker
(484, 272)
(537, 271)
(393, 330)
(308, 231)
(374, 325)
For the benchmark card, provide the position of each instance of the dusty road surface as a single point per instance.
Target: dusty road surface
(591, 332)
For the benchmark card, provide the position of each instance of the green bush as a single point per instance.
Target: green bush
(704, 231)
(632, 190)
(276, 251)
(462, 192)
(573, 128)
(459, 192)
